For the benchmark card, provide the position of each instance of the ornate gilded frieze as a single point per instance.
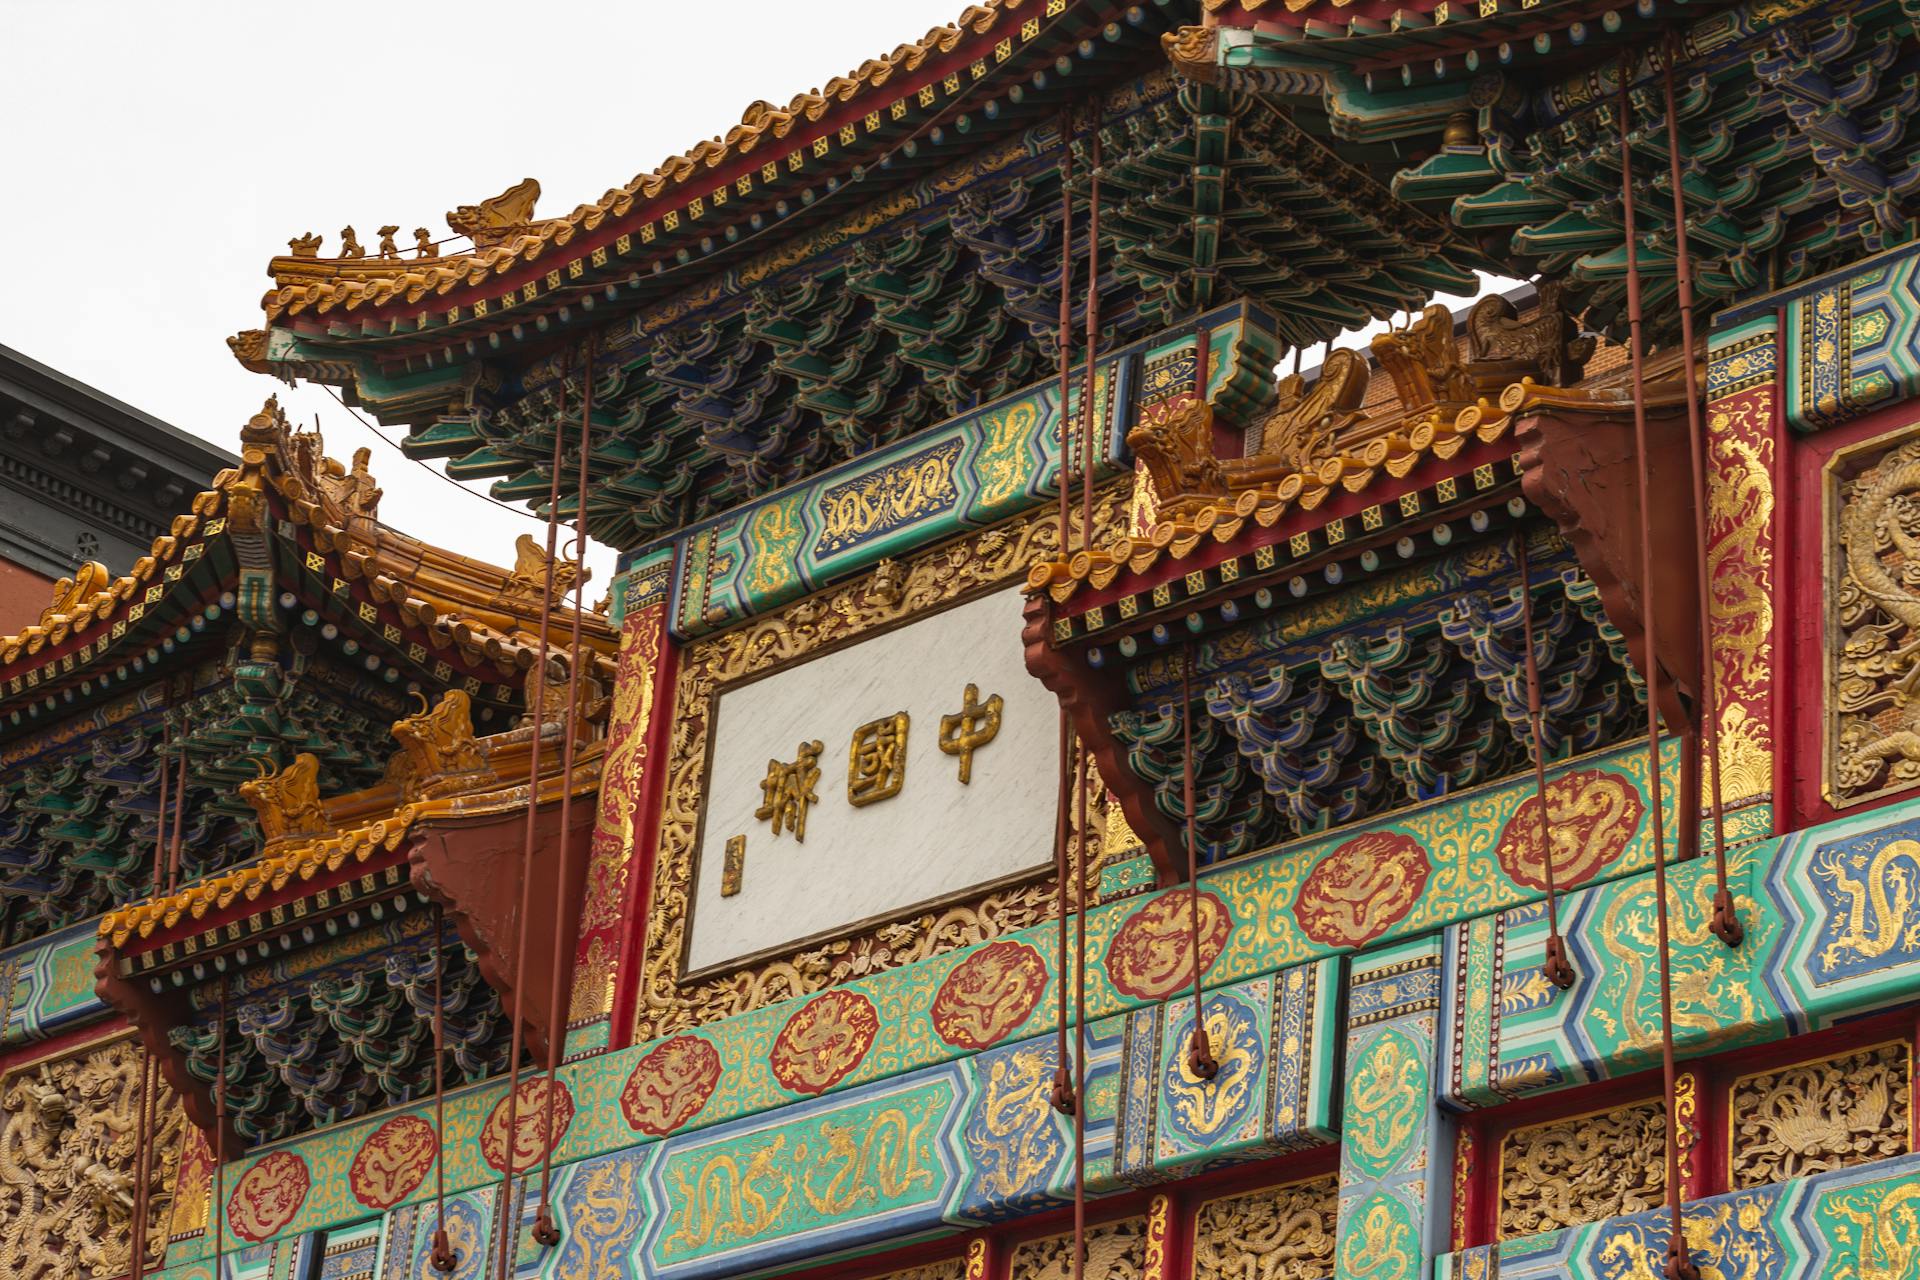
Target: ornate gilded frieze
(1566, 1172)
(1278, 1233)
(668, 1003)
(68, 1134)
(946, 1269)
(1115, 1251)
(1873, 618)
(1817, 1116)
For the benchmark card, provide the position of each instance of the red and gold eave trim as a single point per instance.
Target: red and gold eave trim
(184, 936)
(1227, 558)
(730, 179)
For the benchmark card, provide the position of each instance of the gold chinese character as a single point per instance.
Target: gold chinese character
(877, 760)
(970, 728)
(788, 789)
(735, 867)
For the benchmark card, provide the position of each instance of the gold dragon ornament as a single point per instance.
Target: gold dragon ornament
(68, 1133)
(1876, 721)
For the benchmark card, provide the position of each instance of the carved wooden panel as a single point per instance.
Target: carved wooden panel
(1115, 1251)
(1566, 1172)
(945, 1269)
(1873, 618)
(1817, 1116)
(68, 1129)
(1277, 1233)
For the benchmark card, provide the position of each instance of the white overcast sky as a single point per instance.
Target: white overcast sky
(154, 156)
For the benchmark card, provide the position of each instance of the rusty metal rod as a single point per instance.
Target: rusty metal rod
(1063, 1096)
(1087, 455)
(220, 1139)
(1200, 1060)
(544, 1229)
(442, 1256)
(1679, 1264)
(1554, 966)
(1726, 914)
(1083, 768)
(533, 695)
(1066, 321)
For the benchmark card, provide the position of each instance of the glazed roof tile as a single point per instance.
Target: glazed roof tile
(489, 613)
(1395, 442)
(478, 776)
(305, 282)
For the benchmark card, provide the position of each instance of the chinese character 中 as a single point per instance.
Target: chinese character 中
(972, 727)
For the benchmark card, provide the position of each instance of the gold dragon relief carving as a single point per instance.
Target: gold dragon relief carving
(1279, 1233)
(1115, 1251)
(1567, 1172)
(995, 557)
(69, 1133)
(1873, 619)
(1817, 1116)
(945, 1269)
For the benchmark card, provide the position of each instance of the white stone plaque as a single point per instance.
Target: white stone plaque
(933, 839)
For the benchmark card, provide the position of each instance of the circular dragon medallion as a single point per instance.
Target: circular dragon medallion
(1151, 955)
(1366, 884)
(988, 994)
(670, 1085)
(267, 1196)
(1591, 816)
(391, 1162)
(824, 1041)
(529, 1125)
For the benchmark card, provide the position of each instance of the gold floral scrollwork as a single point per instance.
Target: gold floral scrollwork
(1115, 1251)
(1567, 1172)
(1686, 1113)
(1159, 1224)
(68, 1131)
(1817, 1116)
(1280, 1233)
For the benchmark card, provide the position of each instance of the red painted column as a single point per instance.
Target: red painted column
(1742, 507)
(619, 870)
